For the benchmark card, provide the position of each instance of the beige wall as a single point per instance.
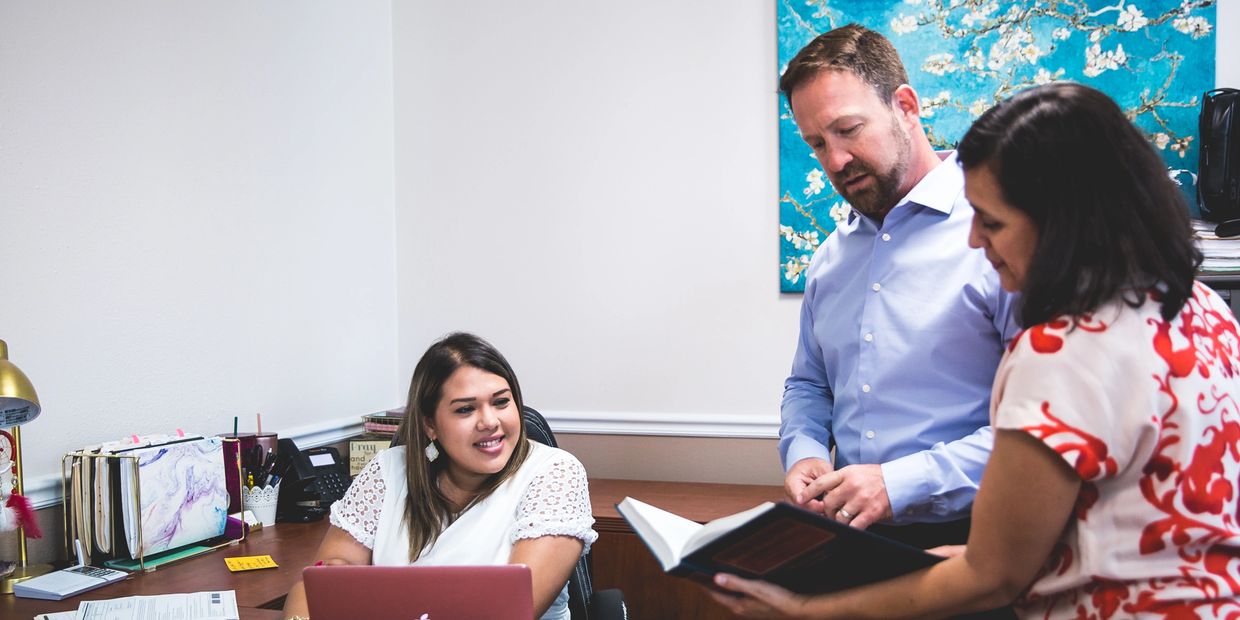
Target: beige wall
(44, 550)
(693, 459)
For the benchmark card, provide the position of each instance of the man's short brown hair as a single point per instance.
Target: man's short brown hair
(865, 53)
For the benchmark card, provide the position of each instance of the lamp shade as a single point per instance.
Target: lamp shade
(19, 403)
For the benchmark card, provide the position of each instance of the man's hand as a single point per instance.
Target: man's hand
(855, 495)
(802, 473)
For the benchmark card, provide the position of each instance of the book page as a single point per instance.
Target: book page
(713, 530)
(664, 532)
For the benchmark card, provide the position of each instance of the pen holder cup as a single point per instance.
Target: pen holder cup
(262, 502)
(236, 447)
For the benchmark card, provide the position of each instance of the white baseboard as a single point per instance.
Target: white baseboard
(44, 491)
(666, 424)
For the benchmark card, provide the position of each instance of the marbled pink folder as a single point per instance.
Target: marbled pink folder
(182, 493)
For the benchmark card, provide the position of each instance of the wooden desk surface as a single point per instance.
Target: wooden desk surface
(291, 545)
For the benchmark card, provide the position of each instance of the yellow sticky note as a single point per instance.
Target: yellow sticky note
(249, 562)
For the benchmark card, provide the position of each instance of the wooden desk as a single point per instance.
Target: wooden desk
(621, 559)
(260, 593)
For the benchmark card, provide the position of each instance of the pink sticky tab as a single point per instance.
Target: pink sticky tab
(134, 438)
(180, 433)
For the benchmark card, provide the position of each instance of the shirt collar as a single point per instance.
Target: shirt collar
(940, 187)
(937, 190)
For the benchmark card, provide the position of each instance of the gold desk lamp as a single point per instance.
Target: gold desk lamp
(19, 404)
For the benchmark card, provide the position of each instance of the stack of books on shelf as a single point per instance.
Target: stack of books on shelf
(378, 431)
(1222, 255)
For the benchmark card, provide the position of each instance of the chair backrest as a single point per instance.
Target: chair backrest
(536, 427)
(581, 582)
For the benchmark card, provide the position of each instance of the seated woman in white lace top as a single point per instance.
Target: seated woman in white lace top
(466, 487)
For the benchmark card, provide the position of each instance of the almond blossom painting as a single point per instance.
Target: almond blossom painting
(1154, 57)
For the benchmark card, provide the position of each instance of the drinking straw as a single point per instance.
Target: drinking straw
(260, 422)
(234, 427)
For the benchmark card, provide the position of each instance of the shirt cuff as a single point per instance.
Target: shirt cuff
(803, 448)
(908, 486)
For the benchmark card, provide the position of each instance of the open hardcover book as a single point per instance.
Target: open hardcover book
(780, 543)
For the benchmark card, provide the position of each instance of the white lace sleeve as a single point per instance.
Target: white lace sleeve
(557, 503)
(358, 511)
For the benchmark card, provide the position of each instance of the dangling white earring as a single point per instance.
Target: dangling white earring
(431, 451)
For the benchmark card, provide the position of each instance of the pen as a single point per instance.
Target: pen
(269, 464)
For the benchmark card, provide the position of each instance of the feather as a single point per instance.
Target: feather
(25, 515)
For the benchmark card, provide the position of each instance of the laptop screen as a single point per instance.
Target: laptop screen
(503, 592)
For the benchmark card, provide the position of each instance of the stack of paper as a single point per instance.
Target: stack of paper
(1221, 255)
(221, 605)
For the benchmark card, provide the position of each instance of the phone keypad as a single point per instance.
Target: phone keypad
(332, 486)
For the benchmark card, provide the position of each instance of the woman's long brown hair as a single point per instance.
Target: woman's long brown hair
(427, 510)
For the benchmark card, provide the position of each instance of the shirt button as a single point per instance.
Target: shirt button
(876, 287)
(869, 434)
(866, 388)
(869, 337)
(886, 237)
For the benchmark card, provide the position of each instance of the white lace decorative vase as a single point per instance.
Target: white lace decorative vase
(262, 502)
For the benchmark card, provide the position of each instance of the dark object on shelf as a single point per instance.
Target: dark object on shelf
(1230, 228)
(1218, 163)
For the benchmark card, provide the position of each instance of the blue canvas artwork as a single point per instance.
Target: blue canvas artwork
(1154, 57)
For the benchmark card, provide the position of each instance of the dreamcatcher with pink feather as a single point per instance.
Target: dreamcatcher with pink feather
(15, 510)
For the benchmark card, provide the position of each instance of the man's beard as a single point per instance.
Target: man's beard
(881, 196)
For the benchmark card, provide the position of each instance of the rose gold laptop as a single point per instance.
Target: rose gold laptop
(419, 592)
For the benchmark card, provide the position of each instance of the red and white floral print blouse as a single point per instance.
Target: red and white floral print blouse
(1147, 412)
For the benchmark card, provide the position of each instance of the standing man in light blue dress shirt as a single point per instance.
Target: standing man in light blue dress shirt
(902, 324)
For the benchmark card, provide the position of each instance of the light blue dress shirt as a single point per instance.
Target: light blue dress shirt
(902, 328)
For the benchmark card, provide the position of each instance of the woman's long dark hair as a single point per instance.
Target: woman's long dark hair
(427, 510)
(1111, 223)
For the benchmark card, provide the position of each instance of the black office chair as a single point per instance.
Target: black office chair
(583, 602)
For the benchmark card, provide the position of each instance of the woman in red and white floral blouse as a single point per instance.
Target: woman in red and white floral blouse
(1112, 488)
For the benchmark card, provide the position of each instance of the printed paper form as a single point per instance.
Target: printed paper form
(220, 605)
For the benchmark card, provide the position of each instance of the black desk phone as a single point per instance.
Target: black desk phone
(312, 480)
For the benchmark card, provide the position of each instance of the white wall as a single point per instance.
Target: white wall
(592, 187)
(196, 211)
(197, 205)
(1226, 69)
